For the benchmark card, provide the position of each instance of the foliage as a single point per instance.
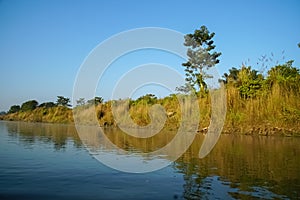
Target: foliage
(248, 81)
(186, 88)
(29, 105)
(14, 109)
(98, 100)
(63, 101)
(257, 102)
(232, 77)
(200, 57)
(149, 99)
(58, 114)
(95, 101)
(286, 76)
(47, 105)
(251, 83)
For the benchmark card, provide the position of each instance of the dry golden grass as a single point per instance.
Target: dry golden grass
(275, 112)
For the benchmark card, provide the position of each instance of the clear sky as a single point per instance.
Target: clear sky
(43, 43)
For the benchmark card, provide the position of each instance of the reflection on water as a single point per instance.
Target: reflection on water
(132, 154)
(244, 165)
(239, 167)
(31, 133)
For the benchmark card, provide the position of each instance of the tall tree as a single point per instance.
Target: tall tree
(201, 56)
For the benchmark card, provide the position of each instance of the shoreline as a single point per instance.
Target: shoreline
(262, 130)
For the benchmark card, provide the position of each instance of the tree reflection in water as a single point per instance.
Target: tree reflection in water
(240, 167)
(31, 133)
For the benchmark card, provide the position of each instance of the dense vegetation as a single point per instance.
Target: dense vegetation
(46, 112)
(258, 102)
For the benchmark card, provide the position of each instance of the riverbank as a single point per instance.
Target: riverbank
(59, 114)
(256, 103)
(139, 115)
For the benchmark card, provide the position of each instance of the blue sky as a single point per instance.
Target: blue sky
(43, 43)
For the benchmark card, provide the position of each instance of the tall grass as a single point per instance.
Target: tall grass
(269, 113)
(57, 114)
(276, 111)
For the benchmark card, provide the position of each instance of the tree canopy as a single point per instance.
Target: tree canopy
(47, 105)
(201, 56)
(95, 101)
(63, 101)
(14, 109)
(29, 105)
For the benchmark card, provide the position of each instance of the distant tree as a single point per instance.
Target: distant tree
(147, 99)
(95, 101)
(62, 101)
(186, 88)
(29, 105)
(286, 76)
(14, 109)
(232, 77)
(282, 73)
(247, 80)
(98, 100)
(47, 105)
(200, 57)
(2, 113)
(80, 102)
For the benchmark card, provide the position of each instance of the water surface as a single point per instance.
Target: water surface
(47, 161)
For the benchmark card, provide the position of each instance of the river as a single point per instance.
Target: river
(51, 161)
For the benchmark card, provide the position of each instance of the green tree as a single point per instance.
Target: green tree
(286, 76)
(247, 80)
(200, 57)
(186, 88)
(47, 105)
(14, 109)
(232, 77)
(95, 101)
(98, 100)
(147, 99)
(29, 105)
(62, 101)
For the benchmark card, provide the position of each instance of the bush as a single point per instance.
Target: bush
(14, 109)
(47, 105)
(29, 105)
